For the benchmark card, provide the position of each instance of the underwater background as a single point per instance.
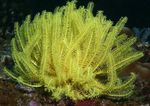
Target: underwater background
(138, 24)
(137, 11)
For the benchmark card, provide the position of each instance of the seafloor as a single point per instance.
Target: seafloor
(14, 94)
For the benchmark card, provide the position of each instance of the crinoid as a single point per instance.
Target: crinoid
(71, 52)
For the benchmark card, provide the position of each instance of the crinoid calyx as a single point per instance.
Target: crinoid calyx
(73, 53)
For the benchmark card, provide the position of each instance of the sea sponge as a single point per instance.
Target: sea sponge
(73, 53)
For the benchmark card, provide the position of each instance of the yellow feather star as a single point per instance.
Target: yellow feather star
(69, 51)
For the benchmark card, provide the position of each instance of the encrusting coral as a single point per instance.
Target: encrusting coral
(72, 53)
